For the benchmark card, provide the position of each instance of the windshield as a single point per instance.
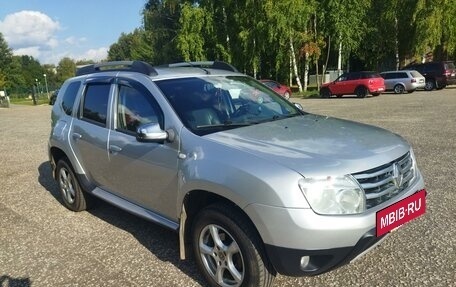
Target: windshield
(213, 103)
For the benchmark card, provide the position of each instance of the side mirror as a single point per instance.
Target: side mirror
(151, 133)
(299, 106)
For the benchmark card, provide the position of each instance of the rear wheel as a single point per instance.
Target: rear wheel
(228, 250)
(399, 89)
(361, 92)
(325, 93)
(430, 85)
(72, 195)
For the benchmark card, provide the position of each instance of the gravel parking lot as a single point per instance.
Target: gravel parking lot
(44, 244)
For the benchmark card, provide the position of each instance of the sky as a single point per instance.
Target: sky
(49, 30)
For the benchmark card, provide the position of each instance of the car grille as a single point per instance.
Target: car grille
(387, 181)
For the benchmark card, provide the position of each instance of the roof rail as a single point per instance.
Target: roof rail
(219, 65)
(131, 66)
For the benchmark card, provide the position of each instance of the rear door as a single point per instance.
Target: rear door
(89, 134)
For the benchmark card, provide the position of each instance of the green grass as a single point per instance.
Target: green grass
(311, 92)
(29, 102)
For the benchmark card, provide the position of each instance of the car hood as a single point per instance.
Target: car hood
(316, 145)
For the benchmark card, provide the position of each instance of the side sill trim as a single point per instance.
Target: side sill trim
(135, 209)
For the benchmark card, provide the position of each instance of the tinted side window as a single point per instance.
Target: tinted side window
(449, 66)
(387, 76)
(69, 97)
(353, 76)
(135, 107)
(402, 75)
(95, 105)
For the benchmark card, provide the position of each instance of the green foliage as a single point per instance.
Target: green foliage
(65, 69)
(190, 41)
(257, 37)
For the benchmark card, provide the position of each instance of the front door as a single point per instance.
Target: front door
(142, 172)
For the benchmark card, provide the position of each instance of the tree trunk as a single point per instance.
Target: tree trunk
(295, 66)
(396, 44)
(306, 72)
(339, 58)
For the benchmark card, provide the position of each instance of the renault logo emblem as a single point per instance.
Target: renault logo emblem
(397, 176)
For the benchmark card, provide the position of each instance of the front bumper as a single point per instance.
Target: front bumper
(288, 261)
(330, 241)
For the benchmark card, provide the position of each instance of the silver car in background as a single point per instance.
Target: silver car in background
(253, 185)
(403, 81)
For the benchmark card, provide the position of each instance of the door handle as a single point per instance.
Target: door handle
(77, 136)
(114, 149)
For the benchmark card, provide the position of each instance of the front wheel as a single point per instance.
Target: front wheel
(228, 250)
(325, 93)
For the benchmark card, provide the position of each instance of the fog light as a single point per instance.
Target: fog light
(304, 262)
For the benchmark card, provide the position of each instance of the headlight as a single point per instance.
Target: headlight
(414, 169)
(334, 195)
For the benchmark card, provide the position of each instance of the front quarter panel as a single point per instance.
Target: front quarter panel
(236, 175)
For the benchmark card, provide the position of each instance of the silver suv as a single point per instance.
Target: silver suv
(252, 184)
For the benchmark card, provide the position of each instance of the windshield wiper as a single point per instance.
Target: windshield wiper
(229, 124)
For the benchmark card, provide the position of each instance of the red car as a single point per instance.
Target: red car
(360, 84)
(280, 89)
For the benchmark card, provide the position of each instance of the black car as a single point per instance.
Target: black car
(53, 97)
(438, 74)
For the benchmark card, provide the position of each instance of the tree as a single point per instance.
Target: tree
(5, 53)
(289, 19)
(131, 46)
(190, 40)
(161, 23)
(344, 21)
(6, 56)
(65, 69)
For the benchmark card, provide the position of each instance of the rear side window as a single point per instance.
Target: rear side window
(402, 75)
(69, 97)
(449, 66)
(95, 104)
(387, 76)
(370, 75)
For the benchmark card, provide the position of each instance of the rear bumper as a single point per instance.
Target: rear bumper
(377, 90)
(288, 261)
(451, 81)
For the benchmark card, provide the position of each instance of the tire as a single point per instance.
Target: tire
(430, 85)
(286, 95)
(361, 92)
(227, 249)
(325, 93)
(399, 89)
(72, 195)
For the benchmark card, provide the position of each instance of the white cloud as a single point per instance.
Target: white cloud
(33, 51)
(35, 34)
(28, 29)
(94, 54)
(75, 41)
